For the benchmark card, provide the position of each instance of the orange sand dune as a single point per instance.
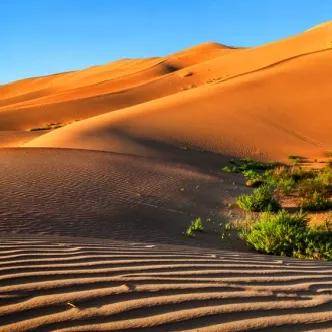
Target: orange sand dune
(272, 113)
(67, 97)
(82, 94)
(93, 240)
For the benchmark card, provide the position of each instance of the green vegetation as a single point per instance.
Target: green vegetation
(312, 187)
(276, 231)
(247, 164)
(315, 202)
(195, 226)
(287, 234)
(49, 126)
(262, 199)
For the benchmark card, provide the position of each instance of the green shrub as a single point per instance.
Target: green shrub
(316, 201)
(279, 234)
(195, 226)
(253, 178)
(313, 186)
(261, 199)
(287, 234)
(318, 245)
(286, 186)
(324, 176)
(230, 169)
(247, 164)
(295, 173)
(308, 187)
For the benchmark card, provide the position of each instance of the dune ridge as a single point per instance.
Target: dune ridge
(189, 98)
(267, 125)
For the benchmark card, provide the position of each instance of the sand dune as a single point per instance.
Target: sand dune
(92, 214)
(76, 95)
(165, 99)
(271, 119)
(16, 138)
(88, 285)
(266, 102)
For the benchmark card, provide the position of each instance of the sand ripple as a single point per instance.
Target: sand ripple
(94, 285)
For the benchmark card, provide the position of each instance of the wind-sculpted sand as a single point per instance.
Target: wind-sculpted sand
(103, 169)
(63, 284)
(92, 241)
(100, 194)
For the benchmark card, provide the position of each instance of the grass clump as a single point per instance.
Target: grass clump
(261, 199)
(315, 191)
(315, 201)
(287, 234)
(247, 164)
(195, 226)
(311, 188)
(287, 178)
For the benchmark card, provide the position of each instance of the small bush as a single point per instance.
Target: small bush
(247, 164)
(278, 234)
(315, 202)
(286, 186)
(325, 177)
(195, 226)
(294, 173)
(317, 245)
(253, 178)
(308, 187)
(287, 234)
(262, 199)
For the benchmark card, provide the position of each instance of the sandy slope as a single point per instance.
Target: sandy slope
(77, 95)
(114, 196)
(269, 101)
(14, 138)
(255, 114)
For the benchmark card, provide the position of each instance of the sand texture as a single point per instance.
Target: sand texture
(103, 169)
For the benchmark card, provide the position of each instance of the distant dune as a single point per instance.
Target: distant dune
(268, 102)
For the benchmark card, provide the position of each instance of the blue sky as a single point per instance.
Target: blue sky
(39, 37)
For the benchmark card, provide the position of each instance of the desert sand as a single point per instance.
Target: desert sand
(102, 169)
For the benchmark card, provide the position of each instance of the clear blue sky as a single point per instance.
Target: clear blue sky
(38, 37)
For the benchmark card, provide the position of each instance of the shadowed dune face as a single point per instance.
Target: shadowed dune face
(95, 194)
(266, 102)
(16, 138)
